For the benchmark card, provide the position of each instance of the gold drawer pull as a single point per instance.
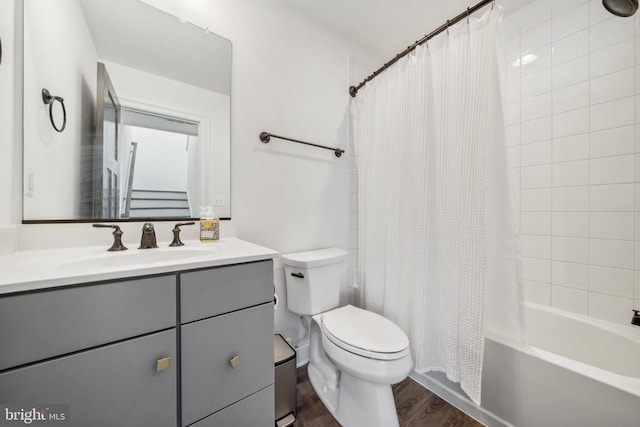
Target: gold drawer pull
(162, 364)
(235, 361)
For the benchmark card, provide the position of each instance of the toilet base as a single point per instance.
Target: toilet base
(352, 401)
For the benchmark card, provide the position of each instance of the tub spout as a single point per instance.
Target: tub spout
(635, 320)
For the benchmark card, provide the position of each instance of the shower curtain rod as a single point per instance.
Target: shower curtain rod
(353, 90)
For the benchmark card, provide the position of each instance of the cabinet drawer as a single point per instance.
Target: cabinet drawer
(115, 385)
(207, 293)
(253, 411)
(209, 382)
(37, 326)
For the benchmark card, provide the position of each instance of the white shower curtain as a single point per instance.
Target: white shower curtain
(437, 241)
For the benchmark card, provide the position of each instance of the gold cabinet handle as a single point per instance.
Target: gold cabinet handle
(235, 361)
(162, 364)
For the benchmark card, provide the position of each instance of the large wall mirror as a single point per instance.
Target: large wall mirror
(143, 100)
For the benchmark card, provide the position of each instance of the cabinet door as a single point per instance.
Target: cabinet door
(209, 381)
(253, 411)
(40, 325)
(210, 292)
(115, 385)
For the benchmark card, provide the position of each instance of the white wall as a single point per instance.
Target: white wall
(60, 56)
(10, 114)
(574, 149)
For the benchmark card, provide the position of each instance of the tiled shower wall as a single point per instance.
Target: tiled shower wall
(572, 109)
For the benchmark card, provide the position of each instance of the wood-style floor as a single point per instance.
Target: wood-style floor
(416, 406)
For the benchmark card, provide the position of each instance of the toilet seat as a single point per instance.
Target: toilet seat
(364, 333)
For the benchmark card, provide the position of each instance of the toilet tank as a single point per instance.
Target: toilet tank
(313, 280)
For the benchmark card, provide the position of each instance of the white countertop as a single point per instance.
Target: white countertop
(41, 269)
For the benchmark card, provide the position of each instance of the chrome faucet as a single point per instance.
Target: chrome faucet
(148, 239)
(635, 320)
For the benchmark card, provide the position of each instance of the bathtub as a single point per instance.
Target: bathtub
(576, 371)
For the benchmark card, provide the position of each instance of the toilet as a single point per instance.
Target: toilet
(355, 355)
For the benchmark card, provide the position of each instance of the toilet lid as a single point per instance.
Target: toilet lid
(365, 333)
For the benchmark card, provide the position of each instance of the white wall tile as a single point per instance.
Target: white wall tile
(512, 46)
(570, 199)
(536, 84)
(542, 60)
(612, 170)
(535, 130)
(537, 200)
(535, 154)
(571, 72)
(571, 97)
(612, 253)
(569, 299)
(568, 174)
(574, 147)
(569, 123)
(570, 22)
(613, 114)
(570, 224)
(612, 142)
(535, 37)
(512, 135)
(512, 92)
(512, 72)
(513, 156)
(612, 86)
(537, 293)
(536, 176)
(612, 281)
(512, 113)
(597, 13)
(538, 270)
(611, 308)
(570, 274)
(636, 293)
(611, 32)
(570, 249)
(536, 107)
(536, 246)
(612, 225)
(514, 178)
(535, 223)
(637, 256)
(613, 58)
(570, 47)
(612, 197)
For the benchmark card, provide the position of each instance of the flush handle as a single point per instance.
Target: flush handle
(298, 275)
(163, 364)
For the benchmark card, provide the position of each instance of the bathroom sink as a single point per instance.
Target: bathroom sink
(136, 257)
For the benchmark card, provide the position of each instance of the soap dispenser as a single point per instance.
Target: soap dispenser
(209, 225)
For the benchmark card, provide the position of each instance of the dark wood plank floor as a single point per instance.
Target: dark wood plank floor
(416, 406)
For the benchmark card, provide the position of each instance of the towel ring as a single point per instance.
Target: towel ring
(47, 98)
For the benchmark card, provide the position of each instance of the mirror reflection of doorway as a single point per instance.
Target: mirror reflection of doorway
(159, 166)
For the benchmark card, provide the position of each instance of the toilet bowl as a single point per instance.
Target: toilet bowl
(355, 355)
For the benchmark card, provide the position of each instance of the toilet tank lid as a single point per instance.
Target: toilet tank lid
(314, 258)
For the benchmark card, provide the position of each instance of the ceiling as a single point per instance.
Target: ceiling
(386, 27)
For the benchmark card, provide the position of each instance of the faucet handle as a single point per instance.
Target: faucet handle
(117, 237)
(176, 233)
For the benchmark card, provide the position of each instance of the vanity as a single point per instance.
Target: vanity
(161, 337)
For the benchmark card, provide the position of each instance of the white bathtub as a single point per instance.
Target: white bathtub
(576, 371)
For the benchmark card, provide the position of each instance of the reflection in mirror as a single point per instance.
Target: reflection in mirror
(148, 105)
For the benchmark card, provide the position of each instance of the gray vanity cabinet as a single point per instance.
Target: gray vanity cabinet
(227, 345)
(114, 385)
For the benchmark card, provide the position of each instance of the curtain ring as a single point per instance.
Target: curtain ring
(493, 3)
(447, 27)
(49, 99)
(467, 15)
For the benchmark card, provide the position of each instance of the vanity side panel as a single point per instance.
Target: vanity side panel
(210, 292)
(209, 382)
(115, 385)
(37, 326)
